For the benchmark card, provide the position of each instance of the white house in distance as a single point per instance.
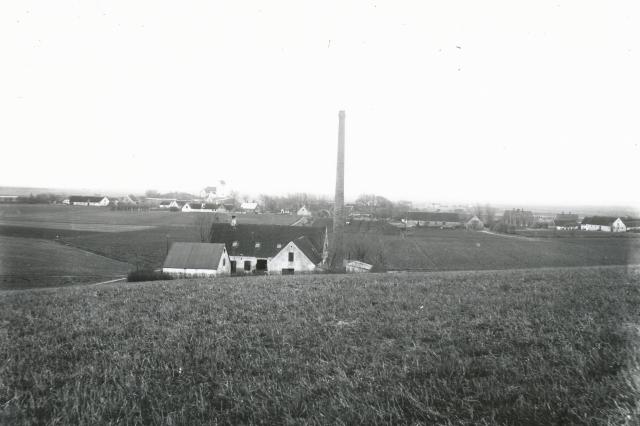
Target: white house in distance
(251, 207)
(474, 223)
(214, 193)
(433, 219)
(197, 260)
(603, 223)
(272, 249)
(303, 211)
(80, 200)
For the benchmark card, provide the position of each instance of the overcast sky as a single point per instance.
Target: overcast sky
(535, 102)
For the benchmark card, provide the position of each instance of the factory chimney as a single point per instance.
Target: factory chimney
(337, 254)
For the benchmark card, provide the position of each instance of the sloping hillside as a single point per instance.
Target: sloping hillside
(514, 347)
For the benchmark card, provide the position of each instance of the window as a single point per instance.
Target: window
(258, 244)
(278, 245)
(234, 244)
(247, 265)
(290, 256)
(224, 261)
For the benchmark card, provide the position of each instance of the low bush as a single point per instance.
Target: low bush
(147, 275)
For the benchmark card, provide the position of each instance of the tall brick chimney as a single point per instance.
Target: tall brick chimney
(337, 255)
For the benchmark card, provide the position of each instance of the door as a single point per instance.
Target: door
(247, 265)
(233, 266)
(261, 265)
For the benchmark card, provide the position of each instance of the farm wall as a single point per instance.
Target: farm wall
(590, 227)
(191, 272)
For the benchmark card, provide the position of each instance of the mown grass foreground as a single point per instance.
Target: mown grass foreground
(514, 347)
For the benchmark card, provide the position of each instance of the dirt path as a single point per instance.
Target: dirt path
(517, 237)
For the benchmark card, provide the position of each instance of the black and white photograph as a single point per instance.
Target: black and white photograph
(360, 212)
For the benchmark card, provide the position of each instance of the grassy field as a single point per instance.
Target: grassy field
(59, 215)
(140, 239)
(428, 249)
(539, 347)
(30, 262)
(436, 249)
(136, 238)
(553, 233)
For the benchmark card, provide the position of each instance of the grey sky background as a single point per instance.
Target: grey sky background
(493, 101)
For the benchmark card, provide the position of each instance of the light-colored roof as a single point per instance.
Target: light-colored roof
(194, 256)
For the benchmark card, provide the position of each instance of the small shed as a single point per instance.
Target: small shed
(197, 259)
(355, 266)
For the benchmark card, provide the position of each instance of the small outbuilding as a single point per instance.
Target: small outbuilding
(356, 266)
(197, 260)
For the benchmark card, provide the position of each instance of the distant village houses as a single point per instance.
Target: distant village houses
(433, 219)
(9, 198)
(603, 223)
(211, 194)
(566, 221)
(518, 218)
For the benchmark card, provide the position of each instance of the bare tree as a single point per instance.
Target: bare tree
(490, 214)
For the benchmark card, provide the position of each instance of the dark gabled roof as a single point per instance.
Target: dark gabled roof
(599, 220)
(566, 216)
(85, 199)
(434, 216)
(309, 249)
(468, 217)
(630, 222)
(194, 256)
(210, 206)
(566, 222)
(165, 202)
(269, 236)
(195, 206)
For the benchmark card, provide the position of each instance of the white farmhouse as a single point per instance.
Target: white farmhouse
(603, 223)
(197, 260)
(251, 207)
(272, 249)
(474, 223)
(79, 200)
